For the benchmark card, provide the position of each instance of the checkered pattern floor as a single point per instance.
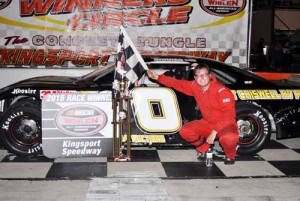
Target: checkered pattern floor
(278, 159)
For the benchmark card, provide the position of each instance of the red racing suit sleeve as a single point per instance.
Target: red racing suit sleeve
(183, 86)
(227, 108)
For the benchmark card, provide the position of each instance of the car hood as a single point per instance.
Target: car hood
(45, 81)
(62, 82)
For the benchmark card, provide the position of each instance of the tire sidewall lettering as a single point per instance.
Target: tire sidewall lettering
(5, 125)
(36, 149)
(260, 116)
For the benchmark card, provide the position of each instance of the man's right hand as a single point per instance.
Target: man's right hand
(153, 75)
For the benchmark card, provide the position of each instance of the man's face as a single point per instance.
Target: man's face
(202, 77)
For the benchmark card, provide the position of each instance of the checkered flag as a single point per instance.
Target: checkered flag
(129, 62)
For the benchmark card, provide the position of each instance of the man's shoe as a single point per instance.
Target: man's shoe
(201, 156)
(229, 161)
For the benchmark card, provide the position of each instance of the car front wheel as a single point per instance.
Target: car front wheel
(21, 131)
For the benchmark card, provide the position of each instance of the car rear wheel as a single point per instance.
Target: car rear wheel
(21, 131)
(254, 128)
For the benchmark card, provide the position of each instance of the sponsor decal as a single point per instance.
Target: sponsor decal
(23, 91)
(296, 93)
(266, 94)
(43, 93)
(4, 3)
(80, 120)
(226, 100)
(258, 94)
(223, 7)
(146, 138)
(168, 59)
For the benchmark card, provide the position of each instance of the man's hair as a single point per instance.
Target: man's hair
(200, 66)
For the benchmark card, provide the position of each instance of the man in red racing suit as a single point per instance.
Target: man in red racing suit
(217, 106)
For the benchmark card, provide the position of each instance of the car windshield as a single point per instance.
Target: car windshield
(99, 72)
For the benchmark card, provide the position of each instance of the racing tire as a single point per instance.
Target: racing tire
(21, 131)
(254, 128)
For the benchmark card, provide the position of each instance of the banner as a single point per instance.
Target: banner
(77, 33)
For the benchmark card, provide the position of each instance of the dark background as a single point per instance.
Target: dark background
(275, 36)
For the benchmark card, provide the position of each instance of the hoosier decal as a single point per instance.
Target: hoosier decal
(23, 91)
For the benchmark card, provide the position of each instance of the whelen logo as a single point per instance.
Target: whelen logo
(223, 7)
(4, 4)
(80, 120)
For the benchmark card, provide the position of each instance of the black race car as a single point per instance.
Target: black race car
(263, 107)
